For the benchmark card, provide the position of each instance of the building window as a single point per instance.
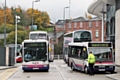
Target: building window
(96, 23)
(75, 25)
(96, 33)
(69, 25)
(60, 26)
(80, 24)
(90, 24)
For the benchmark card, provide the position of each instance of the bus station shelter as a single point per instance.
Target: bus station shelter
(98, 8)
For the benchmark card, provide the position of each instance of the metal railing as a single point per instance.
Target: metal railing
(58, 56)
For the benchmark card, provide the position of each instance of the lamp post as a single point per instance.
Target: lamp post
(16, 21)
(64, 16)
(103, 12)
(33, 8)
(5, 24)
(69, 7)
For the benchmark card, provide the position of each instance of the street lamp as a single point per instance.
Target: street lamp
(69, 7)
(64, 16)
(5, 24)
(33, 8)
(103, 16)
(16, 21)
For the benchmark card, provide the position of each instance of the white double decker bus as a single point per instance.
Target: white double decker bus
(35, 35)
(103, 51)
(75, 36)
(38, 55)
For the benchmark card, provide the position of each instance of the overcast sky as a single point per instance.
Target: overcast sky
(54, 7)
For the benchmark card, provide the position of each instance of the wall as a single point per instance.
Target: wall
(2, 56)
(117, 38)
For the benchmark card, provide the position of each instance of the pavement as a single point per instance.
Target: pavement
(115, 76)
(7, 67)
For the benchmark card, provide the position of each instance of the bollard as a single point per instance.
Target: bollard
(58, 57)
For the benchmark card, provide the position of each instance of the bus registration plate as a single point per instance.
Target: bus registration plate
(101, 69)
(35, 68)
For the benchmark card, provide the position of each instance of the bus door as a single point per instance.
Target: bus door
(79, 54)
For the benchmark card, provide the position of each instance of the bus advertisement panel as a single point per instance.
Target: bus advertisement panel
(65, 48)
(35, 55)
(103, 51)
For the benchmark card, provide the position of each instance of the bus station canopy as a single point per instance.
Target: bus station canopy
(99, 6)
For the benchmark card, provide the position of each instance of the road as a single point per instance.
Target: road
(58, 71)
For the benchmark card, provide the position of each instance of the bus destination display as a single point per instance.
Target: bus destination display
(34, 44)
(99, 44)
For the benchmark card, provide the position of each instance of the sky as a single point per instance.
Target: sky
(54, 8)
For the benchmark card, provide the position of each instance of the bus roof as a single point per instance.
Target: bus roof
(38, 32)
(38, 40)
(76, 30)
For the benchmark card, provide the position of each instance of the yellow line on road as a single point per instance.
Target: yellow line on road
(7, 73)
(3, 72)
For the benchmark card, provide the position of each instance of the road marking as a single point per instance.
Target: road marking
(61, 75)
(7, 73)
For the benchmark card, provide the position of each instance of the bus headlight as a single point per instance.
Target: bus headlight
(46, 65)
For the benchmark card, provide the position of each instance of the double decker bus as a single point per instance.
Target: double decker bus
(38, 55)
(38, 35)
(103, 51)
(34, 35)
(75, 36)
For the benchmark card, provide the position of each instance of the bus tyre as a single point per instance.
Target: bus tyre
(112, 72)
(86, 70)
(24, 70)
(72, 67)
(68, 63)
(47, 70)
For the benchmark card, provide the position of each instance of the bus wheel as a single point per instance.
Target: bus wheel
(72, 67)
(24, 70)
(112, 72)
(86, 70)
(47, 70)
(68, 63)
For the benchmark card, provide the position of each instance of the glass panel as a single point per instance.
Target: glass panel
(35, 53)
(102, 54)
(42, 36)
(82, 36)
(33, 36)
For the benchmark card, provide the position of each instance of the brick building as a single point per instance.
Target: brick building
(80, 23)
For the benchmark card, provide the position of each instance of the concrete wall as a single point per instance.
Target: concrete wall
(2, 56)
(117, 38)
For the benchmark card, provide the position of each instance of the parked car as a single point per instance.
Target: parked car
(19, 59)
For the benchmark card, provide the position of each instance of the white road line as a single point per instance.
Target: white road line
(62, 77)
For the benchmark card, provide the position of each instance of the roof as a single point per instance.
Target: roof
(99, 6)
(38, 32)
(58, 34)
(79, 19)
(96, 18)
(60, 22)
